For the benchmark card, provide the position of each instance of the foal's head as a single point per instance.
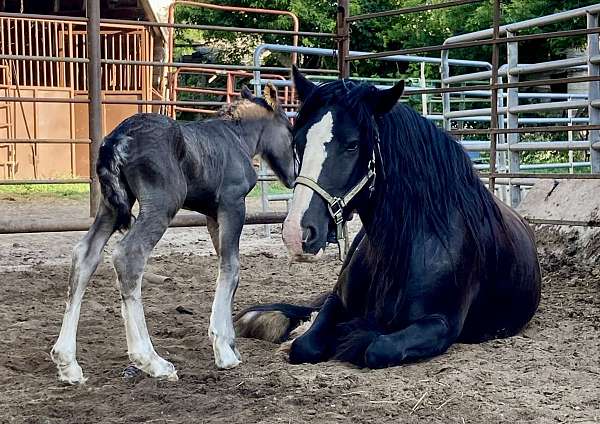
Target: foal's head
(274, 131)
(335, 139)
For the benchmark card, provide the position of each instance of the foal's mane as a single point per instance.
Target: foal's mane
(243, 109)
(423, 177)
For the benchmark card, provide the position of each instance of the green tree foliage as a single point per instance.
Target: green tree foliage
(397, 32)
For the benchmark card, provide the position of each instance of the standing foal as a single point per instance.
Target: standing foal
(165, 165)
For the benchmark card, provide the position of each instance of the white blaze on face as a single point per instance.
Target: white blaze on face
(315, 154)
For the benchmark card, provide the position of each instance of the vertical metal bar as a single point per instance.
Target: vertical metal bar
(44, 51)
(23, 62)
(343, 35)
(95, 96)
(514, 158)
(121, 58)
(501, 165)
(423, 83)
(445, 73)
(30, 51)
(135, 57)
(71, 54)
(37, 53)
(593, 49)
(50, 52)
(570, 115)
(85, 54)
(494, 100)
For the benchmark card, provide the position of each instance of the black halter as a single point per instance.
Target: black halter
(336, 205)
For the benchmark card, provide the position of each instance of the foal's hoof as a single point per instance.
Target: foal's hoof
(226, 357)
(71, 374)
(69, 370)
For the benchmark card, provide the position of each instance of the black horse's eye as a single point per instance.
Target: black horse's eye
(352, 146)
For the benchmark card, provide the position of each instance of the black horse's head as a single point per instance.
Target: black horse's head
(335, 140)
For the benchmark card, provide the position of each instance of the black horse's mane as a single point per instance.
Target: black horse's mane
(423, 177)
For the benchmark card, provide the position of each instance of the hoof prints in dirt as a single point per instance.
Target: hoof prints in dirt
(549, 373)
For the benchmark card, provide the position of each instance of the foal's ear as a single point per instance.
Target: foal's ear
(246, 93)
(303, 86)
(384, 100)
(270, 96)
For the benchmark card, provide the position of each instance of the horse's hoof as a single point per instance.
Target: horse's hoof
(71, 374)
(131, 373)
(153, 365)
(226, 359)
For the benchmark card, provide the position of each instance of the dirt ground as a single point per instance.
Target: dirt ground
(548, 374)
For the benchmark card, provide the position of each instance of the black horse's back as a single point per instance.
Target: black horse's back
(505, 305)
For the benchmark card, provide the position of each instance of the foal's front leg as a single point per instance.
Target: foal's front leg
(230, 219)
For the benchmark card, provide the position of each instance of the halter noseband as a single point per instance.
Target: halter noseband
(336, 205)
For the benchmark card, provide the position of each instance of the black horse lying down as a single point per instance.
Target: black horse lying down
(165, 165)
(439, 260)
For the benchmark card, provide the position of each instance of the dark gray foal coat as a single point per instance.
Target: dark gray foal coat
(205, 166)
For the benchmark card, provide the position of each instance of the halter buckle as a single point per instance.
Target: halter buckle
(336, 209)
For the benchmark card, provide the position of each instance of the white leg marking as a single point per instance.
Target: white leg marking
(314, 157)
(221, 331)
(86, 256)
(139, 346)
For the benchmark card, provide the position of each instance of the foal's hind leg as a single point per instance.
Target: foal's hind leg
(86, 256)
(213, 229)
(221, 332)
(129, 259)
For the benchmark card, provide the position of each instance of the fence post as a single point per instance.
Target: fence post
(514, 158)
(445, 73)
(343, 38)
(593, 50)
(95, 97)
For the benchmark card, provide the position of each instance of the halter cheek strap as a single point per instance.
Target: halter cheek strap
(336, 205)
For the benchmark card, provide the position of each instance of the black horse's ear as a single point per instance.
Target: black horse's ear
(246, 93)
(303, 86)
(384, 100)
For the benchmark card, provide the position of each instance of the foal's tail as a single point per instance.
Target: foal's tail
(111, 158)
(276, 321)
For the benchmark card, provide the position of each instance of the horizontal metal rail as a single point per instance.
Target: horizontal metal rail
(557, 128)
(545, 176)
(19, 226)
(530, 23)
(473, 43)
(57, 181)
(545, 166)
(414, 9)
(87, 180)
(524, 146)
(543, 221)
(535, 107)
(121, 22)
(45, 141)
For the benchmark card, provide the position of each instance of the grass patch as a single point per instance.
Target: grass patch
(80, 191)
(68, 191)
(274, 188)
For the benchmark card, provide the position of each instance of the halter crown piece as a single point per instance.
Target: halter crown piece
(336, 205)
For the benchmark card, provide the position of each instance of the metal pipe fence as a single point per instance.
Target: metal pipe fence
(504, 122)
(100, 71)
(491, 98)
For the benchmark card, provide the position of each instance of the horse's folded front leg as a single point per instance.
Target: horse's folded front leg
(317, 344)
(427, 337)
